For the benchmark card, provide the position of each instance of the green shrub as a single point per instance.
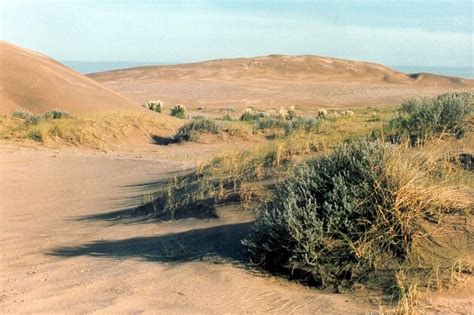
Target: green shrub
(341, 216)
(178, 111)
(191, 130)
(420, 120)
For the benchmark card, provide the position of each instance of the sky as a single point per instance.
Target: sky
(401, 32)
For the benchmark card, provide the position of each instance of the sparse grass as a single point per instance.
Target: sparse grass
(94, 130)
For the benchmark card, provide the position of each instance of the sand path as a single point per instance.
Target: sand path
(59, 253)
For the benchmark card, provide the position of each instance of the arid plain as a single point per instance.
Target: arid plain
(74, 233)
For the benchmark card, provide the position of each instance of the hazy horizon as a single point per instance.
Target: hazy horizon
(418, 33)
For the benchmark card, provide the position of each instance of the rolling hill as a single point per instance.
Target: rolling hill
(275, 80)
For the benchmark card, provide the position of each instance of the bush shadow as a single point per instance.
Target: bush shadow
(162, 140)
(217, 244)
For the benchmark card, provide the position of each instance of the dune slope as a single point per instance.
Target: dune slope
(275, 80)
(33, 82)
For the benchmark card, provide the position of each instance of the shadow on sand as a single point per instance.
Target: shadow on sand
(148, 214)
(218, 244)
(162, 140)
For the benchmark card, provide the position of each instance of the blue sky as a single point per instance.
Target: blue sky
(402, 32)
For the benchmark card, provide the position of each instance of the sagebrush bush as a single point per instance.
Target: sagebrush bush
(420, 120)
(178, 111)
(340, 216)
(191, 130)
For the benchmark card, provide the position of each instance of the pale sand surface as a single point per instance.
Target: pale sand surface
(36, 83)
(69, 246)
(272, 81)
(53, 262)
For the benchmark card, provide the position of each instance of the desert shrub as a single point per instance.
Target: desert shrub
(21, 114)
(191, 130)
(420, 120)
(33, 119)
(35, 135)
(322, 113)
(178, 111)
(249, 114)
(305, 124)
(156, 106)
(56, 114)
(341, 216)
(271, 123)
(291, 113)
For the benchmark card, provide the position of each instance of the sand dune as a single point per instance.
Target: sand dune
(275, 80)
(33, 82)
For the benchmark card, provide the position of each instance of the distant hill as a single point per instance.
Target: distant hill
(36, 83)
(275, 80)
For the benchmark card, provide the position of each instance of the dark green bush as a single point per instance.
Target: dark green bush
(178, 111)
(420, 120)
(191, 130)
(340, 216)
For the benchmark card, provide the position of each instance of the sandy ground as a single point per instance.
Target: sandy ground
(60, 253)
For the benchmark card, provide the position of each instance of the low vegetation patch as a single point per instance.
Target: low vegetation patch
(34, 119)
(196, 127)
(423, 120)
(94, 130)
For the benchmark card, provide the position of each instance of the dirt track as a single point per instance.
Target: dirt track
(60, 253)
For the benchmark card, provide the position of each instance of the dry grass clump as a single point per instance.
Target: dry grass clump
(361, 212)
(422, 120)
